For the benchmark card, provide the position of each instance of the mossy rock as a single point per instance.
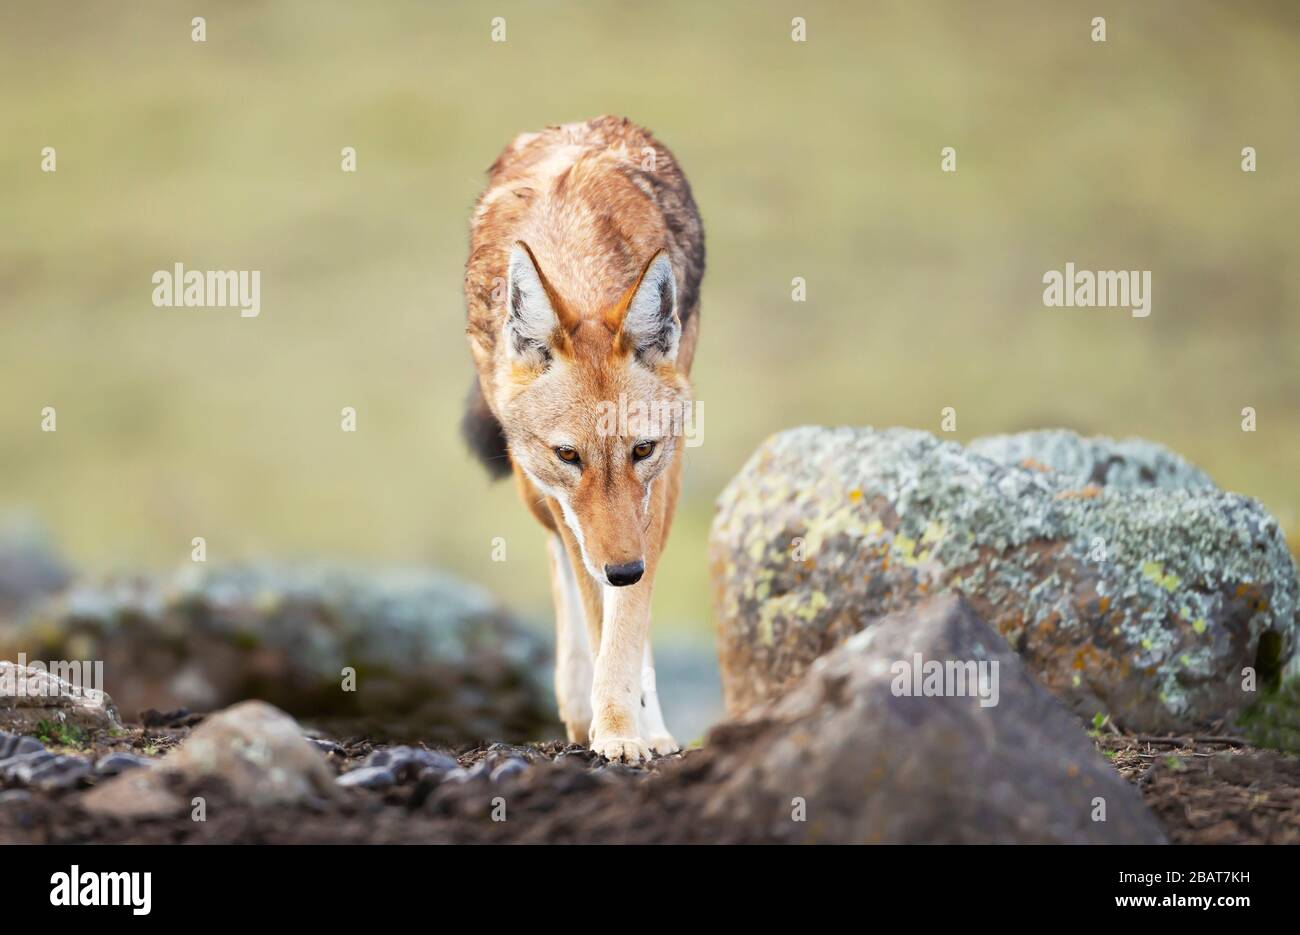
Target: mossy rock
(434, 658)
(1143, 596)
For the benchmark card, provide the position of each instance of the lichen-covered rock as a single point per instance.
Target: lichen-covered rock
(1132, 463)
(1142, 603)
(34, 699)
(434, 659)
(990, 759)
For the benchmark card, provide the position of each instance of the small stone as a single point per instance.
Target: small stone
(368, 777)
(113, 763)
(61, 772)
(408, 763)
(579, 757)
(391, 756)
(327, 747)
(431, 759)
(28, 745)
(18, 768)
(511, 767)
(16, 744)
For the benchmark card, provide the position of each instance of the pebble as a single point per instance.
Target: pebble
(408, 764)
(511, 767)
(582, 758)
(439, 761)
(368, 777)
(326, 746)
(60, 772)
(17, 744)
(395, 766)
(13, 768)
(113, 763)
(507, 750)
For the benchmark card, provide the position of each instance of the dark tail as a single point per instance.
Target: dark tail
(483, 434)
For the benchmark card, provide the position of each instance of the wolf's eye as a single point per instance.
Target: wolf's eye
(567, 454)
(642, 450)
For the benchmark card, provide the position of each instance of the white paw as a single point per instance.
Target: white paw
(663, 744)
(622, 749)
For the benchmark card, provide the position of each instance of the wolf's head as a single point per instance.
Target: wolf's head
(592, 405)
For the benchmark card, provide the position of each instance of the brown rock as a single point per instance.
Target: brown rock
(865, 764)
(256, 751)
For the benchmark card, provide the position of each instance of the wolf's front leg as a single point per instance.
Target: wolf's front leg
(616, 687)
(653, 728)
(572, 647)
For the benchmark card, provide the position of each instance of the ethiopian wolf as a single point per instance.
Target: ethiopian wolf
(582, 286)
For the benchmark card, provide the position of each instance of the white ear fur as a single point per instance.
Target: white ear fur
(651, 322)
(530, 320)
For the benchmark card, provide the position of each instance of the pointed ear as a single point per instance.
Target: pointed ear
(532, 326)
(650, 325)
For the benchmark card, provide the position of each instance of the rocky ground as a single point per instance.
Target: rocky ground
(1211, 790)
(841, 757)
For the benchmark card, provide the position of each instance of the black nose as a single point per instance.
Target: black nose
(622, 575)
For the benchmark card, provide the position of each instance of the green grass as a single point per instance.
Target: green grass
(55, 733)
(818, 160)
(1274, 719)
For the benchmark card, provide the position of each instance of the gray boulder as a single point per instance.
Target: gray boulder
(1137, 597)
(860, 757)
(434, 658)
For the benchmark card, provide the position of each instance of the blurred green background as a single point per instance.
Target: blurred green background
(817, 159)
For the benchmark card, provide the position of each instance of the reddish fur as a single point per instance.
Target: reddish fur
(592, 219)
